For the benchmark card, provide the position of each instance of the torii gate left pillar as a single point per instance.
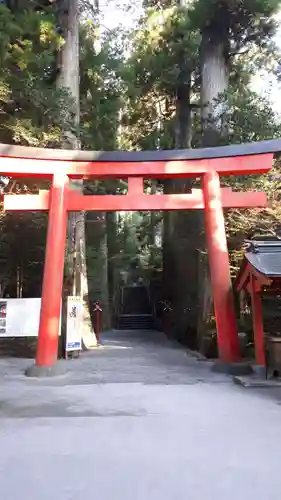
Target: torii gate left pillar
(47, 347)
(61, 199)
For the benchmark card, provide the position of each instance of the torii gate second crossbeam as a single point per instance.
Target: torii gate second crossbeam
(208, 164)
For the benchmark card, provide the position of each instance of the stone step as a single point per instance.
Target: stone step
(135, 322)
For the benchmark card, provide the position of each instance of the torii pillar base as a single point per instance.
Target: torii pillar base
(36, 371)
(234, 369)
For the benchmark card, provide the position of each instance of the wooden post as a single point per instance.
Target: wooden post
(258, 324)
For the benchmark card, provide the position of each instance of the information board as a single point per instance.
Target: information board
(19, 317)
(74, 324)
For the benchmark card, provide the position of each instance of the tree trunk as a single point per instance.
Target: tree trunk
(214, 84)
(97, 263)
(68, 78)
(112, 267)
(180, 237)
(183, 129)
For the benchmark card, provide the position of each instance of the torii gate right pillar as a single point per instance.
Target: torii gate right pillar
(227, 334)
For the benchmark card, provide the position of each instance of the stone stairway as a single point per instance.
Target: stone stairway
(135, 322)
(135, 312)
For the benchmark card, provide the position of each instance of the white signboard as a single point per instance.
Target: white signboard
(19, 317)
(73, 324)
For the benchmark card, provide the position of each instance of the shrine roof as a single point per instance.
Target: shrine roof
(265, 257)
(262, 259)
(254, 148)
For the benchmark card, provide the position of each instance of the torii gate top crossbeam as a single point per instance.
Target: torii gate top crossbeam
(243, 159)
(247, 149)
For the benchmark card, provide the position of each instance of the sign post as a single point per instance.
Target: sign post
(73, 325)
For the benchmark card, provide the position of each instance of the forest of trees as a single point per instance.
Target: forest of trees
(180, 78)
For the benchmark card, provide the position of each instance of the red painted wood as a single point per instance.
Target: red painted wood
(47, 346)
(243, 278)
(135, 186)
(194, 200)
(257, 324)
(237, 199)
(240, 165)
(228, 342)
(261, 279)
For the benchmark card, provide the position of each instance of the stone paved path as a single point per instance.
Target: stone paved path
(136, 420)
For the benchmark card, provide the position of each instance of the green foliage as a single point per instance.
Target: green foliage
(166, 55)
(165, 43)
(251, 118)
(29, 41)
(164, 59)
(22, 237)
(35, 113)
(246, 22)
(28, 102)
(100, 88)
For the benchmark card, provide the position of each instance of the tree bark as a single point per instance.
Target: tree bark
(214, 84)
(68, 78)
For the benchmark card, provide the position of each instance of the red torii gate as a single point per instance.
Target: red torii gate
(208, 164)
